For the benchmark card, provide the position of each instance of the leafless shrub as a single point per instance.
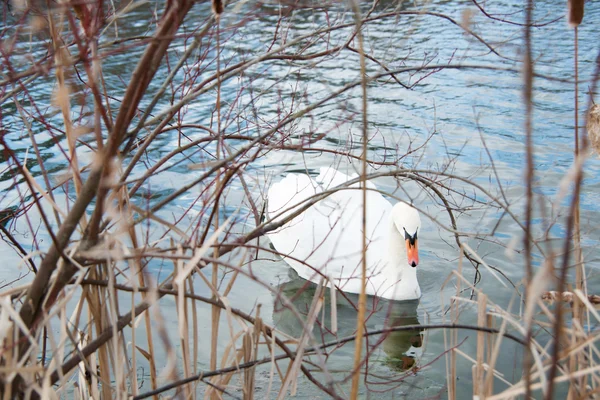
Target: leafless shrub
(113, 242)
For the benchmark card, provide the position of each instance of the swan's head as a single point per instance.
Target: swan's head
(407, 221)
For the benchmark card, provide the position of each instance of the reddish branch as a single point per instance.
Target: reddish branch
(147, 66)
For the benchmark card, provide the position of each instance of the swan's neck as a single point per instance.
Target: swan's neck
(407, 286)
(397, 250)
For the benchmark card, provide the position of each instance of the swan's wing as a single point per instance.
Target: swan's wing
(345, 241)
(330, 177)
(299, 238)
(285, 195)
(378, 208)
(328, 236)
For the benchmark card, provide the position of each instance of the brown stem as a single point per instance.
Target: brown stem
(142, 76)
(529, 176)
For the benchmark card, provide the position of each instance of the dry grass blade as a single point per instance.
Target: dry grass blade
(291, 376)
(482, 262)
(333, 300)
(44, 193)
(185, 272)
(492, 360)
(362, 300)
(478, 378)
(11, 314)
(147, 273)
(589, 302)
(542, 279)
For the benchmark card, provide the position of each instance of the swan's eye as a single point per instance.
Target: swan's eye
(411, 239)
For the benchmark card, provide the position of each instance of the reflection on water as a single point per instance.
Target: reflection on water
(402, 348)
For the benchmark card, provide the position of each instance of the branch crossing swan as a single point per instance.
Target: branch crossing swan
(326, 239)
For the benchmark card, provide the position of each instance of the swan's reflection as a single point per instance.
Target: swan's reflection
(402, 348)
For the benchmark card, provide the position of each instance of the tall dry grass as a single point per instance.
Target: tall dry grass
(91, 312)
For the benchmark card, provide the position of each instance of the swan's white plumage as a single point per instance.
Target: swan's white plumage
(328, 235)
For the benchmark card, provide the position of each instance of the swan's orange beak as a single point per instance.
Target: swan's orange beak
(412, 252)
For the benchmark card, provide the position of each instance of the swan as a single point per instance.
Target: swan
(325, 241)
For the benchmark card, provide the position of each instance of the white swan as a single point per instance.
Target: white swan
(327, 237)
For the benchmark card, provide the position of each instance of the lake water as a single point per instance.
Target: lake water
(450, 118)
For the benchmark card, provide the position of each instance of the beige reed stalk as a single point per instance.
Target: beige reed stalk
(362, 299)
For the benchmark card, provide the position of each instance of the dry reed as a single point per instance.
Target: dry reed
(111, 258)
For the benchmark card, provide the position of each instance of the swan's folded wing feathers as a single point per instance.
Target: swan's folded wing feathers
(289, 193)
